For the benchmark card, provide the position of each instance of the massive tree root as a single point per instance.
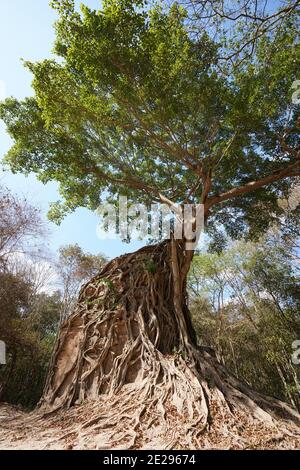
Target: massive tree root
(127, 367)
(129, 352)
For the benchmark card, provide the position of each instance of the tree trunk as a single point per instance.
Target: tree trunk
(8, 373)
(129, 353)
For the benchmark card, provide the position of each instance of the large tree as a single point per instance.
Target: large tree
(138, 105)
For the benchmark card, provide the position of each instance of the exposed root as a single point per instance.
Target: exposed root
(126, 372)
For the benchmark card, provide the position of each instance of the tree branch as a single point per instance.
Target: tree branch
(253, 185)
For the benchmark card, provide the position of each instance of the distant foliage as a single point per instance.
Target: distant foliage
(74, 268)
(30, 315)
(245, 304)
(28, 319)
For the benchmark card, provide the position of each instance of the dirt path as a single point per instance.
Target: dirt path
(64, 430)
(19, 430)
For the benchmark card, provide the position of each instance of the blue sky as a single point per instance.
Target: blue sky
(26, 32)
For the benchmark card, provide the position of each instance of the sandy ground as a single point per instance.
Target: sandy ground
(75, 429)
(64, 430)
(17, 431)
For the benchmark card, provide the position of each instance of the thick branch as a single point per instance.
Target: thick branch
(253, 185)
(206, 187)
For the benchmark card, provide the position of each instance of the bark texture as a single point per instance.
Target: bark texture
(127, 367)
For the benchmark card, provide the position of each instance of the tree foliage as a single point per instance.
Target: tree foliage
(74, 268)
(239, 24)
(136, 104)
(30, 311)
(20, 225)
(245, 304)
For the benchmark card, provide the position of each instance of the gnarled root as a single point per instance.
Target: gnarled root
(127, 368)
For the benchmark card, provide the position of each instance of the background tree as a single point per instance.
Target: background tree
(239, 24)
(76, 267)
(20, 226)
(29, 330)
(248, 297)
(138, 105)
(30, 311)
(28, 318)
